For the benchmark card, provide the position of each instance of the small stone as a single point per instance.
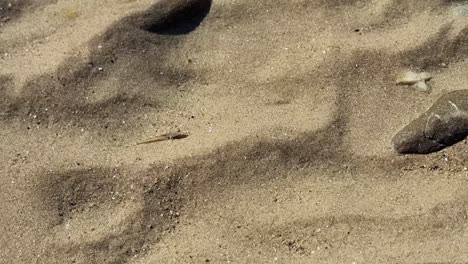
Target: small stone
(415, 80)
(444, 124)
(410, 78)
(421, 86)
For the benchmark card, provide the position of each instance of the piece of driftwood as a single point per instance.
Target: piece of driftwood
(164, 137)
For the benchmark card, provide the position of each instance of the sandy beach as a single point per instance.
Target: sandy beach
(266, 131)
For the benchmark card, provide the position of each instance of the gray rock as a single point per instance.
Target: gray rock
(443, 125)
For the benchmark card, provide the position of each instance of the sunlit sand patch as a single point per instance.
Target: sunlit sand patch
(39, 56)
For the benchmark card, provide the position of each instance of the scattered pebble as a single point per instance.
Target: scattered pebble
(415, 80)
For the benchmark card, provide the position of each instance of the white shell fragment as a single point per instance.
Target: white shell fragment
(415, 80)
(410, 78)
(421, 86)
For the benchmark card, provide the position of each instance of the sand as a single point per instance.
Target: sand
(289, 107)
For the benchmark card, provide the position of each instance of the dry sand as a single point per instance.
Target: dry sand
(290, 107)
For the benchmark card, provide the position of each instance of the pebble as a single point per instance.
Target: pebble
(415, 80)
(442, 125)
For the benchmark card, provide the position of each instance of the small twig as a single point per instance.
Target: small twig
(164, 137)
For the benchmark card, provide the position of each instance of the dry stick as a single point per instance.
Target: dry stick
(164, 137)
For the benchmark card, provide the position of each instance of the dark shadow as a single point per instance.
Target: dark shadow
(439, 49)
(63, 92)
(455, 1)
(71, 193)
(181, 19)
(10, 10)
(13, 9)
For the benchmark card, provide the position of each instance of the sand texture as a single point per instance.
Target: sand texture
(267, 128)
